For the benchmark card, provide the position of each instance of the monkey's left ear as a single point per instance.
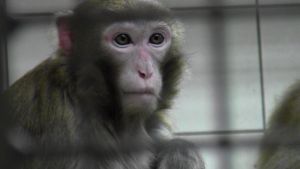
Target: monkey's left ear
(64, 34)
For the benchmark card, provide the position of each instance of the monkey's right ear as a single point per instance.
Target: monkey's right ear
(64, 34)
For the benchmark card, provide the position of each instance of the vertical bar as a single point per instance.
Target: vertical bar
(9, 157)
(219, 66)
(261, 68)
(3, 47)
(220, 70)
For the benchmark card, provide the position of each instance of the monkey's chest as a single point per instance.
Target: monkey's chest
(134, 152)
(135, 160)
(114, 152)
(95, 160)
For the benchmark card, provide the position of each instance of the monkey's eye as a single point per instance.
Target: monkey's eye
(122, 39)
(157, 39)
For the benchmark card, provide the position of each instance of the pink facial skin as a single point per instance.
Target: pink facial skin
(144, 66)
(144, 54)
(108, 38)
(140, 81)
(64, 35)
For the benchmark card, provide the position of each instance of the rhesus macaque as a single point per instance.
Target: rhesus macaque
(281, 142)
(106, 90)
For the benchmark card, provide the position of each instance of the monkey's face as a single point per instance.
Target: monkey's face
(138, 48)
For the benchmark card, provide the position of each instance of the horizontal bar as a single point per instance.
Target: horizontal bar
(219, 132)
(236, 6)
(50, 14)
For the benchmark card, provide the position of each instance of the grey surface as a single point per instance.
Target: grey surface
(31, 43)
(39, 6)
(281, 52)
(222, 88)
(241, 153)
(278, 2)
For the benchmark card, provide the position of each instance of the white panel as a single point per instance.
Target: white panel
(35, 6)
(223, 75)
(241, 153)
(205, 3)
(197, 108)
(28, 47)
(281, 48)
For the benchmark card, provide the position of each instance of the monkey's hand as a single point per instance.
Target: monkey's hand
(178, 154)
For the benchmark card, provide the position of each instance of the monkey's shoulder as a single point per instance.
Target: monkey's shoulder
(288, 110)
(50, 73)
(40, 93)
(283, 129)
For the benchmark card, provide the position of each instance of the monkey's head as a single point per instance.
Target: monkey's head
(135, 44)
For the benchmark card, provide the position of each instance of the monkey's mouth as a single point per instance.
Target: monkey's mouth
(140, 92)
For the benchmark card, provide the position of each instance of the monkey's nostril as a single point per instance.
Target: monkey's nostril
(142, 74)
(145, 75)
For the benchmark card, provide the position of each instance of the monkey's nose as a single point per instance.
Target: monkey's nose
(145, 75)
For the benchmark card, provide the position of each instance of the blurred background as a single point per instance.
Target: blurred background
(243, 55)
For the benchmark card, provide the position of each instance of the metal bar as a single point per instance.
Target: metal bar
(219, 132)
(51, 14)
(31, 15)
(236, 6)
(220, 73)
(3, 48)
(260, 57)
